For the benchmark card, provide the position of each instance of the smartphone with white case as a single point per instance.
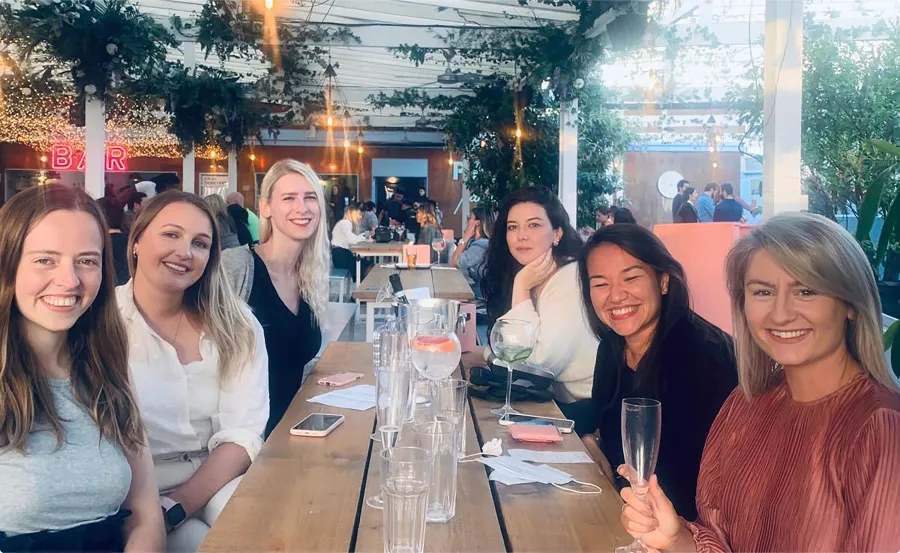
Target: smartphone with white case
(317, 425)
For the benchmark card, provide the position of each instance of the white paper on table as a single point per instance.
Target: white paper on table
(358, 398)
(416, 293)
(559, 457)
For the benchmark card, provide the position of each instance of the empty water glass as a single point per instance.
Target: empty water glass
(406, 478)
(442, 439)
(446, 400)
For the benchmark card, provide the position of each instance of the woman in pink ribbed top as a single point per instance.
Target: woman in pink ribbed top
(805, 456)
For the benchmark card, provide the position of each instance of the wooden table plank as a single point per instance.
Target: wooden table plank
(543, 519)
(378, 249)
(302, 494)
(451, 285)
(475, 526)
(448, 284)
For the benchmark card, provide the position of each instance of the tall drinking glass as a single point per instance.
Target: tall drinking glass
(512, 341)
(641, 424)
(406, 480)
(446, 401)
(394, 392)
(442, 439)
(390, 350)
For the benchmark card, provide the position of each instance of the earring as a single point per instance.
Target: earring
(134, 254)
(776, 367)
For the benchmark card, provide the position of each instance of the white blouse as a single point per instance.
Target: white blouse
(343, 236)
(184, 407)
(565, 345)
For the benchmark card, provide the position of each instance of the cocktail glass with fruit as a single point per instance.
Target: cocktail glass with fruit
(512, 341)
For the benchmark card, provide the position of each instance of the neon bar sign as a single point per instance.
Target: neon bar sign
(64, 158)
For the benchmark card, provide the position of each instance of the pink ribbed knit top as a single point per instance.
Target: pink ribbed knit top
(780, 475)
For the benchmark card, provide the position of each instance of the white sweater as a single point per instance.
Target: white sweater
(343, 236)
(565, 345)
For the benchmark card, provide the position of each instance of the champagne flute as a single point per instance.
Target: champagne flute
(512, 341)
(641, 424)
(393, 401)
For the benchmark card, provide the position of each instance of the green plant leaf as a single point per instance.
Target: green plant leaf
(895, 355)
(890, 228)
(887, 147)
(869, 209)
(890, 335)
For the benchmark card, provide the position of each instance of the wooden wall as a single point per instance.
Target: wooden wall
(642, 171)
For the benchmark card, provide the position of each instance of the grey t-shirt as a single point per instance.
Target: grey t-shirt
(58, 486)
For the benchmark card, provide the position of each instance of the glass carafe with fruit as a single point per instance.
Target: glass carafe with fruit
(435, 352)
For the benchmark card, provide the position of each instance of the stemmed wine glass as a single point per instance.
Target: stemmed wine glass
(512, 341)
(439, 244)
(641, 424)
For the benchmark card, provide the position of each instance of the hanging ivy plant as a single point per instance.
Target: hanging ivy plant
(294, 53)
(211, 106)
(102, 45)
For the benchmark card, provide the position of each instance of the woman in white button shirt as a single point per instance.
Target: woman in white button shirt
(198, 361)
(345, 235)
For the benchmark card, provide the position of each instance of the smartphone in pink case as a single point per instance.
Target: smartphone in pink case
(340, 379)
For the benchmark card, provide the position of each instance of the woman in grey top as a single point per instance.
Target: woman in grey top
(472, 249)
(75, 470)
(429, 230)
(369, 219)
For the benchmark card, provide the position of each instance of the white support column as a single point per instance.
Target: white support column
(189, 164)
(782, 108)
(94, 147)
(568, 158)
(232, 171)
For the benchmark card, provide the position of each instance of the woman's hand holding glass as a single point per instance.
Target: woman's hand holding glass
(653, 519)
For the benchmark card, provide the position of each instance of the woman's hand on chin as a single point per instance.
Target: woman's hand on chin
(536, 273)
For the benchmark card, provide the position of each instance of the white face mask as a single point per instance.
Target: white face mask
(508, 469)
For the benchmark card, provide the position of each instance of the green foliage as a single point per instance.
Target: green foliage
(294, 52)
(480, 128)
(892, 342)
(101, 44)
(850, 103)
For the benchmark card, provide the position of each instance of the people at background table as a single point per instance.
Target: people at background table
(706, 205)
(393, 212)
(369, 221)
(623, 216)
(240, 217)
(530, 275)
(678, 200)
(285, 278)
(337, 203)
(730, 209)
(429, 230)
(118, 238)
(805, 455)
(226, 225)
(236, 198)
(471, 253)
(73, 452)
(602, 217)
(198, 362)
(166, 181)
(688, 211)
(651, 345)
(146, 187)
(343, 237)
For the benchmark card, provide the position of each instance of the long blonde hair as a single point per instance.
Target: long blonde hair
(822, 255)
(354, 215)
(210, 302)
(314, 262)
(97, 342)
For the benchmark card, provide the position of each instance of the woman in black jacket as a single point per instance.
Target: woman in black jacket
(652, 345)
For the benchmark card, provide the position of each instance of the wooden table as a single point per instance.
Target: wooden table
(308, 494)
(443, 282)
(392, 250)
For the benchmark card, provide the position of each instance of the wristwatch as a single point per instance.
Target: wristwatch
(173, 512)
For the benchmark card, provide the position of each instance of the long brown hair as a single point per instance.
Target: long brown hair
(97, 342)
(210, 302)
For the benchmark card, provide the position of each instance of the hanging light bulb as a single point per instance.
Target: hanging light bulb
(450, 161)
(360, 150)
(252, 157)
(484, 143)
(270, 4)
(715, 165)
(346, 143)
(518, 132)
(43, 159)
(330, 121)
